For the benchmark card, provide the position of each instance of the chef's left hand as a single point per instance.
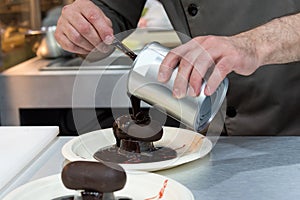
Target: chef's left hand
(220, 54)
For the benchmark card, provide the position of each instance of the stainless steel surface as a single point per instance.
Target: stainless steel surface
(32, 85)
(238, 168)
(115, 62)
(195, 112)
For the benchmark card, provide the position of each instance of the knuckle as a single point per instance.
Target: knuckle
(194, 80)
(75, 37)
(172, 53)
(211, 39)
(189, 57)
(92, 16)
(224, 69)
(69, 46)
(65, 10)
(183, 65)
(84, 28)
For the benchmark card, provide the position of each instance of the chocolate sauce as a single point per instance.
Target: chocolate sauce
(135, 103)
(114, 154)
(134, 136)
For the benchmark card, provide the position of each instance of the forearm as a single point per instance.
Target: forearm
(277, 41)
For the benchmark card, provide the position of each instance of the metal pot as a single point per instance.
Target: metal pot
(48, 48)
(195, 112)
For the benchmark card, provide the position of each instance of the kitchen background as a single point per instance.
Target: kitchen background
(36, 88)
(16, 18)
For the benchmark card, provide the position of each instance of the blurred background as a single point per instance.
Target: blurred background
(16, 18)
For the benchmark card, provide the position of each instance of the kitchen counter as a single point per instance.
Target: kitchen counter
(237, 168)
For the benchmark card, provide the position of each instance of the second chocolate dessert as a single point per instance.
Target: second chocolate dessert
(96, 180)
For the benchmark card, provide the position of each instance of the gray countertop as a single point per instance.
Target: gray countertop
(237, 168)
(245, 168)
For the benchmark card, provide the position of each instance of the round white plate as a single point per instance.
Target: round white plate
(139, 186)
(189, 146)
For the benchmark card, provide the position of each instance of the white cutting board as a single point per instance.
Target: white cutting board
(19, 146)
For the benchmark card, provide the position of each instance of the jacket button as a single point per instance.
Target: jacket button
(192, 9)
(231, 111)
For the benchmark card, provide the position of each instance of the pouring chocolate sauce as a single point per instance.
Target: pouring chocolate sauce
(135, 102)
(135, 133)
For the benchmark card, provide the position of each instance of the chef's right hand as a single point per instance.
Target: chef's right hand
(83, 27)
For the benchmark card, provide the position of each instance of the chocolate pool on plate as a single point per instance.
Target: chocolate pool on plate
(135, 136)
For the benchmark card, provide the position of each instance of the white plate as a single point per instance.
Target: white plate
(139, 186)
(189, 146)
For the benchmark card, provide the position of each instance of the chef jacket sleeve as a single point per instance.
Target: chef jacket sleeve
(124, 14)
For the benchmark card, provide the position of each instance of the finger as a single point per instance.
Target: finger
(181, 81)
(201, 65)
(74, 48)
(222, 68)
(185, 69)
(84, 30)
(73, 36)
(171, 61)
(67, 44)
(166, 68)
(104, 48)
(101, 24)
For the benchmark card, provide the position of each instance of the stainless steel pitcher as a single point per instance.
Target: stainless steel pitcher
(195, 112)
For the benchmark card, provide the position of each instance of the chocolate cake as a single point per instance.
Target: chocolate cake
(135, 134)
(97, 180)
(134, 141)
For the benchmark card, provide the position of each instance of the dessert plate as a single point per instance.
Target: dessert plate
(139, 186)
(188, 145)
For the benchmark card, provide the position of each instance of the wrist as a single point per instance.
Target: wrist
(259, 44)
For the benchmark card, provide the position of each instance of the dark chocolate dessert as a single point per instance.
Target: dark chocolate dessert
(135, 134)
(96, 180)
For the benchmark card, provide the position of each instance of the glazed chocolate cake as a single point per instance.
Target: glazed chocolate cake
(137, 133)
(97, 180)
(134, 141)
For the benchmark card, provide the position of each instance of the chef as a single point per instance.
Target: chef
(262, 99)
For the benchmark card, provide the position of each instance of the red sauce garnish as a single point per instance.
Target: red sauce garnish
(161, 192)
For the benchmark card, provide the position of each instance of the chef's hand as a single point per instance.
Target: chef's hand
(222, 55)
(82, 26)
